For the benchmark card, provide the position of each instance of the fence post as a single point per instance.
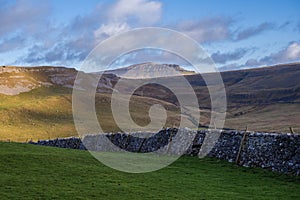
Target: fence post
(141, 146)
(170, 142)
(292, 130)
(243, 141)
(127, 140)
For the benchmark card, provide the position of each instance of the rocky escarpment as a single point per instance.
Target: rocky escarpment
(274, 151)
(15, 80)
(150, 70)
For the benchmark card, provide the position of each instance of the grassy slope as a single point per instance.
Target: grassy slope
(40, 113)
(46, 112)
(270, 118)
(31, 172)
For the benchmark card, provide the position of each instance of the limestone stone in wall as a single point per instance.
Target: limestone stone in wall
(227, 146)
(277, 152)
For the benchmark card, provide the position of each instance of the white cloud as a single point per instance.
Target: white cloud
(143, 11)
(289, 54)
(120, 16)
(124, 14)
(224, 57)
(10, 44)
(255, 30)
(23, 16)
(292, 51)
(149, 55)
(209, 29)
(106, 30)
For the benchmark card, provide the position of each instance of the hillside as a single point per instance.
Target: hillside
(276, 84)
(264, 99)
(55, 173)
(253, 86)
(46, 112)
(36, 102)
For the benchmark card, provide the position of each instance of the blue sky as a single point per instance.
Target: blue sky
(236, 34)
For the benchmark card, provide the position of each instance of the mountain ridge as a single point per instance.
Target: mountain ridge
(14, 80)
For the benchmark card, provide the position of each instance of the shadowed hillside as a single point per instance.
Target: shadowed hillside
(265, 99)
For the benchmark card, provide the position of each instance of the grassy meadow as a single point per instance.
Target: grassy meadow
(39, 172)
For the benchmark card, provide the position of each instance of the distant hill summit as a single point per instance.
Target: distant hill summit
(150, 70)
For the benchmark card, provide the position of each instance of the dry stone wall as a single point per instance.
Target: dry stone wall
(274, 151)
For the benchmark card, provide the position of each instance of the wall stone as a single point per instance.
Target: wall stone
(274, 151)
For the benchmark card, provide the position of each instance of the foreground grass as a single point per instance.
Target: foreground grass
(36, 172)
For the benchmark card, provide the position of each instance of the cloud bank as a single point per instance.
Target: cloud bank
(27, 28)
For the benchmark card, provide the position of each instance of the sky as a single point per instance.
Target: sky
(236, 34)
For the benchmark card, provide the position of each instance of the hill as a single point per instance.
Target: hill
(55, 173)
(275, 84)
(36, 102)
(263, 99)
(46, 112)
(15, 80)
(149, 70)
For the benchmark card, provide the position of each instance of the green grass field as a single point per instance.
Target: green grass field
(38, 172)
